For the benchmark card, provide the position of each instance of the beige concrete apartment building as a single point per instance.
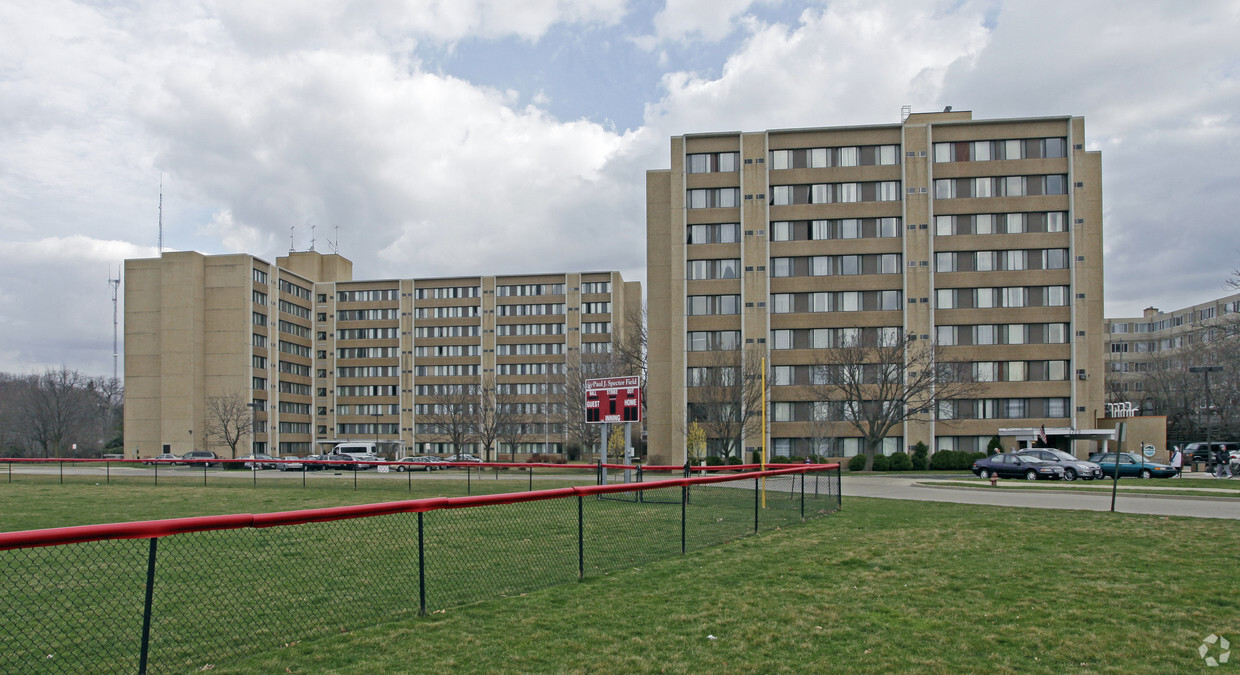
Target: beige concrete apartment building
(984, 236)
(325, 358)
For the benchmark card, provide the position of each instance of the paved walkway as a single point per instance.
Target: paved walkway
(907, 487)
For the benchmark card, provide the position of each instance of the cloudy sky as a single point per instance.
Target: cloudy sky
(449, 137)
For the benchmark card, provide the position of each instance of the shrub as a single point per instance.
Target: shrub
(734, 460)
(899, 461)
(857, 463)
(994, 446)
(757, 457)
(714, 461)
(920, 456)
(882, 463)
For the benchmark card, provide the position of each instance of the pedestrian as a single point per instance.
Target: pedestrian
(1222, 462)
(1177, 461)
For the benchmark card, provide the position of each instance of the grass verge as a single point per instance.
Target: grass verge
(883, 586)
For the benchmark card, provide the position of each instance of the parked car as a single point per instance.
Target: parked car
(199, 458)
(1200, 452)
(1131, 464)
(463, 457)
(1073, 468)
(314, 463)
(341, 462)
(419, 463)
(162, 458)
(290, 463)
(1009, 465)
(264, 461)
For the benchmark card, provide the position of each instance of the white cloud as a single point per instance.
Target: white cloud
(709, 20)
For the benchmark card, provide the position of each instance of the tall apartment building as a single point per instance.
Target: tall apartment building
(1138, 347)
(325, 358)
(984, 236)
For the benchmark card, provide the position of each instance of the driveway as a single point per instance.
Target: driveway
(906, 487)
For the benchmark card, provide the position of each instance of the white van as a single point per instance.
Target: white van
(362, 452)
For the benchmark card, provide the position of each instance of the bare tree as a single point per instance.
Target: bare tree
(725, 398)
(454, 414)
(629, 350)
(880, 378)
(61, 407)
(229, 419)
(572, 400)
(487, 426)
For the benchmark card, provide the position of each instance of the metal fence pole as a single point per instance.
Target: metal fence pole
(756, 501)
(531, 479)
(157, 473)
(355, 477)
(839, 489)
(468, 487)
(107, 467)
(146, 610)
(204, 473)
(684, 501)
(62, 472)
(581, 539)
(421, 567)
(802, 496)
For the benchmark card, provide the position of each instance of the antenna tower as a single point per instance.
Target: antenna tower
(161, 213)
(115, 284)
(290, 237)
(312, 236)
(335, 245)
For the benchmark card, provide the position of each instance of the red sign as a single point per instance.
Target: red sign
(614, 399)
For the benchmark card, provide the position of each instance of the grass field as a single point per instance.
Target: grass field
(882, 586)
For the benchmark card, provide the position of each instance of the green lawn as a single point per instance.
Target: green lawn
(882, 586)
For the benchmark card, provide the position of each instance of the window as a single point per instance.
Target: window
(260, 276)
(705, 305)
(845, 228)
(715, 233)
(713, 198)
(713, 162)
(258, 319)
(835, 193)
(726, 268)
(259, 298)
(724, 340)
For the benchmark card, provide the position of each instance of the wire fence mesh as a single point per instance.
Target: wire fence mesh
(172, 600)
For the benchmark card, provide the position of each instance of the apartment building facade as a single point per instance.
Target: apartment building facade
(984, 236)
(324, 358)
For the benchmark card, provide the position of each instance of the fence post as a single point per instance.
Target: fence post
(839, 489)
(62, 471)
(421, 568)
(756, 495)
(146, 610)
(204, 473)
(802, 495)
(531, 479)
(581, 539)
(641, 494)
(157, 473)
(468, 487)
(354, 477)
(107, 467)
(684, 500)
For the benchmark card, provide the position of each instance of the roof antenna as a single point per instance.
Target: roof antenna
(115, 284)
(290, 237)
(335, 245)
(312, 236)
(161, 213)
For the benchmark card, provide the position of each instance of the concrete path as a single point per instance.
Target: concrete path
(906, 487)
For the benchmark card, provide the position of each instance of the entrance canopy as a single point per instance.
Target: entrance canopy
(1057, 436)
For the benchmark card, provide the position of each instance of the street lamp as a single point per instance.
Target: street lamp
(376, 416)
(253, 406)
(1205, 371)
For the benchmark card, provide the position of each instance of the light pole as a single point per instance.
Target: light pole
(1206, 370)
(253, 406)
(376, 416)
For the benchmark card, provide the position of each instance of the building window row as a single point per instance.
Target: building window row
(367, 333)
(368, 409)
(294, 427)
(595, 327)
(723, 268)
(1002, 334)
(596, 308)
(1010, 296)
(294, 368)
(1002, 408)
(714, 233)
(713, 198)
(446, 390)
(1007, 260)
(596, 348)
(832, 338)
(717, 340)
(449, 370)
(838, 228)
(447, 331)
(836, 301)
(294, 408)
(294, 349)
(831, 265)
(545, 309)
(368, 296)
(294, 329)
(707, 305)
(547, 408)
(836, 193)
(984, 151)
(367, 429)
(260, 276)
(367, 390)
(259, 340)
(454, 312)
(259, 298)
(294, 388)
(529, 369)
(831, 447)
(259, 362)
(821, 158)
(595, 287)
(1019, 371)
(1002, 223)
(447, 350)
(1000, 186)
(258, 318)
(523, 349)
(367, 371)
(529, 329)
(513, 290)
(367, 314)
(529, 388)
(712, 162)
(295, 310)
(367, 352)
(446, 292)
(294, 290)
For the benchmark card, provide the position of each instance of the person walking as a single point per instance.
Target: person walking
(1222, 461)
(1177, 461)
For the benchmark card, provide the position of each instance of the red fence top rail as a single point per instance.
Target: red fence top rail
(148, 529)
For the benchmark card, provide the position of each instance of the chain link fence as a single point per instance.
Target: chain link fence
(185, 594)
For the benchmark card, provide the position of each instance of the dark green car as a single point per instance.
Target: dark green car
(1131, 465)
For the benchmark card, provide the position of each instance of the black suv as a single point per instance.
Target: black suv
(1199, 452)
